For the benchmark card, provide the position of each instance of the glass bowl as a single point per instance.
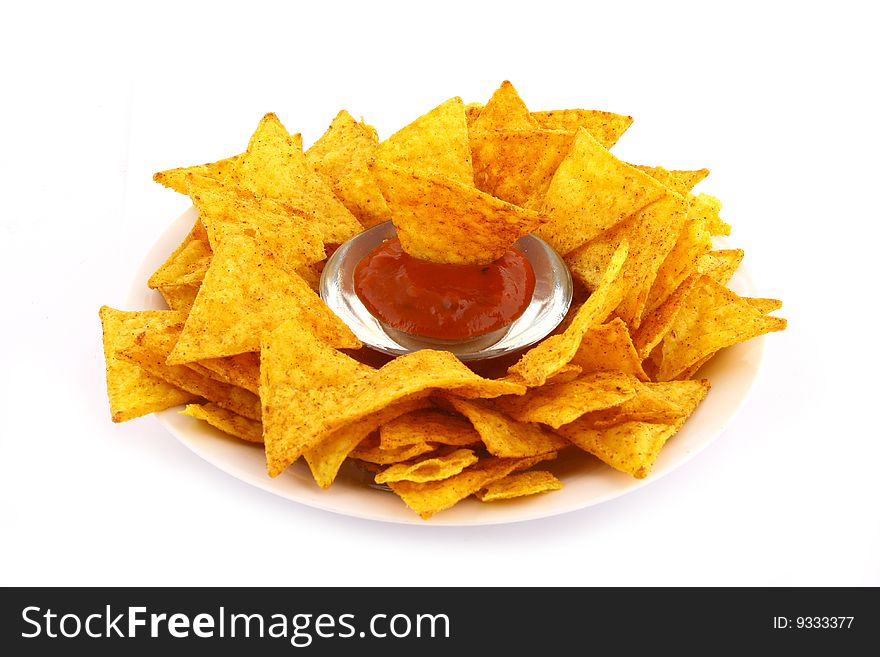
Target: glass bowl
(550, 302)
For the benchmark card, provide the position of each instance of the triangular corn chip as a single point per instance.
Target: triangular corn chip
(299, 415)
(436, 143)
(606, 127)
(548, 357)
(504, 436)
(517, 165)
(287, 233)
(561, 403)
(246, 293)
(432, 468)
(711, 318)
(132, 391)
(519, 484)
(609, 348)
(275, 167)
(429, 425)
(228, 422)
(592, 191)
(476, 228)
(504, 111)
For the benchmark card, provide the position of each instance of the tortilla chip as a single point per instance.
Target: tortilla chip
(519, 485)
(476, 228)
(549, 356)
(609, 348)
(176, 265)
(762, 305)
(681, 181)
(692, 244)
(275, 167)
(150, 350)
(341, 155)
(224, 210)
(651, 234)
(176, 178)
(606, 127)
(246, 293)
(303, 407)
(504, 436)
(518, 165)
(431, 497)
(429, 425)
(707, 207)
(432, 468)
(720, 265)
(228, 422)
(631, 447)
(325, 458)
(132, 391)
(561, 403)
(656, 325)
(435, 144)
(179, 297)
(242, 370)
(711, 318)
(590, 192)
(504, 111)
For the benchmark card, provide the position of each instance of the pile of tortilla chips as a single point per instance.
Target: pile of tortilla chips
(250, 348)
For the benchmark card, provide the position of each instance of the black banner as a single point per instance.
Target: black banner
(325, 621)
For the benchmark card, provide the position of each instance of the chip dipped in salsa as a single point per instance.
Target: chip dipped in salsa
(443, 301)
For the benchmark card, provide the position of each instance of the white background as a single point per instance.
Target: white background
(778, 99)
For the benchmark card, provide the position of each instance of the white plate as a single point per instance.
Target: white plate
(586, 480)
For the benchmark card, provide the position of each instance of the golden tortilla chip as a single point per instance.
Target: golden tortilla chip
(150, 350)
(681, 181)
(504, 111)
(504, 436)
(762, 305)
(720, 265)
(187, 268)
(242, 370)
(651, 234)
(432, 468)
(176, 264)
(131, 390)
(370, 451)
(429, 425)
(707, 207)
(711, 318)
(609, 348)
(630, 447)
(176, 178)
(228, 422)
(650, 403)
(692, 244)
(275, 167)
(299, 414)
(246, 293)
(431, 497)
(341, 155)
(476, 228)
(590, 192)
(435, 144)
(551, 355)
(519, 485)
(561, 403)
(179, 297)
(287, 233)
(657, 324)
(325, 458)
(606, 127)
(518, 165)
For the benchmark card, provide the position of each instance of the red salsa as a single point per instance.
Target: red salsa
(448, 302)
